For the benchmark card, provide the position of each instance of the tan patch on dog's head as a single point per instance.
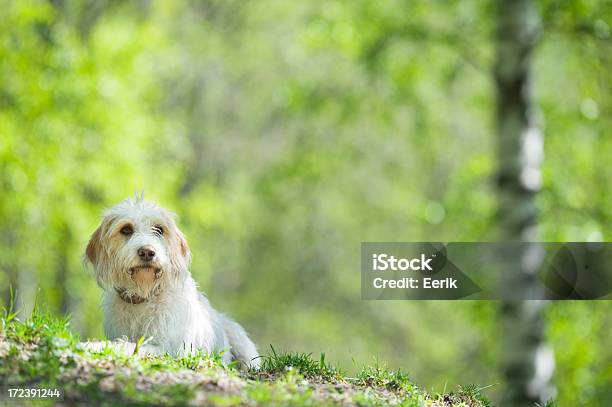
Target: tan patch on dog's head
(95, 244)
(181, 247)
(93, 247)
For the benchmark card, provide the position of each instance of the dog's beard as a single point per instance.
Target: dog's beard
(147, 278)
(142, 280)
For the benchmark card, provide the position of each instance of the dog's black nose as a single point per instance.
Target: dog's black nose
(146, 253)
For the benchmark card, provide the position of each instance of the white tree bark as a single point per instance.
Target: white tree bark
(527, 362)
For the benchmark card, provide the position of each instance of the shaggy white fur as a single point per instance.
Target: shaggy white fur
(141, 261)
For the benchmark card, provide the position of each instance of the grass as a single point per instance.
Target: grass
(42, 351)
(277, 363)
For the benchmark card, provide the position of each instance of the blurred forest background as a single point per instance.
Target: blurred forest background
(286, 133)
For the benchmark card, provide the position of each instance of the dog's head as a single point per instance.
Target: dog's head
(138, 249)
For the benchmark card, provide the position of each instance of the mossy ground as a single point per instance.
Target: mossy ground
(42, 351)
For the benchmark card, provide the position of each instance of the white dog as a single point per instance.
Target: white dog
(141, 260)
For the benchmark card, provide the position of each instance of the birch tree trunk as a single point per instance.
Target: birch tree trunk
(527, 363)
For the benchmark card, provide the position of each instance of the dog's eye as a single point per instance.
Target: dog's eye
(127, 230)
(158, 230)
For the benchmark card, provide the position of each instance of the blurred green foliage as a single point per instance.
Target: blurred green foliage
(284, 134)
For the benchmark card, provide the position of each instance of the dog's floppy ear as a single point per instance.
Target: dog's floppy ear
(183, 244)
(181, 241)
(180, 256)
(93, 247)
